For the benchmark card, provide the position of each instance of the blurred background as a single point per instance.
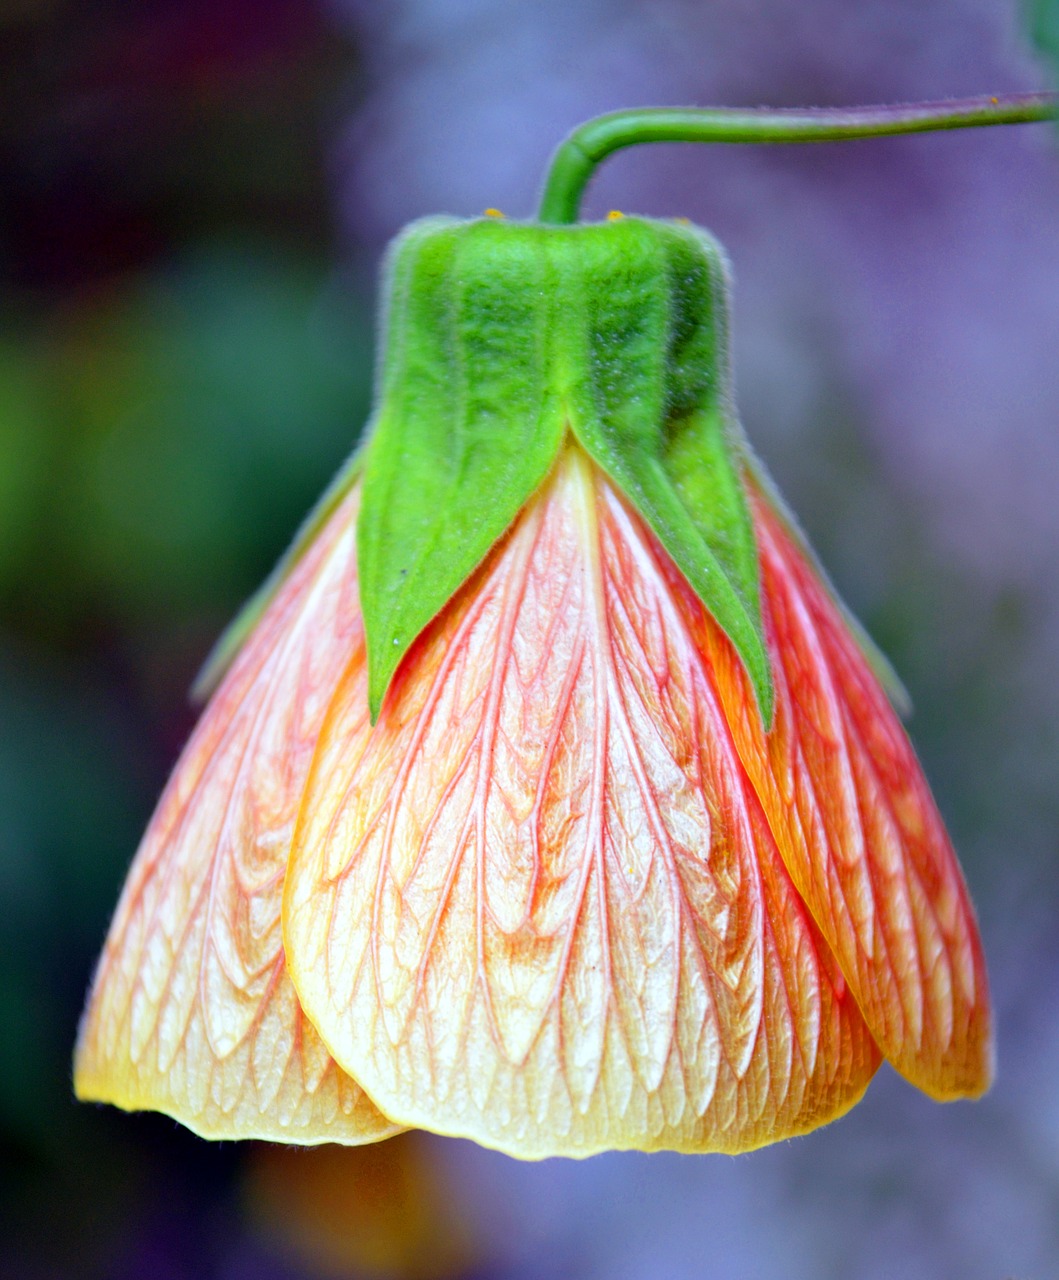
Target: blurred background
(193, 202)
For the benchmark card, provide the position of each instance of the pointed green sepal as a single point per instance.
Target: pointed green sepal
(234, 636)
(892, 684)
(467, 425)
(500, 339)
(649, 386)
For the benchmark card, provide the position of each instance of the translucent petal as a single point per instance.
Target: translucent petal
(859, 831)
(192, 1011)
(538, 904)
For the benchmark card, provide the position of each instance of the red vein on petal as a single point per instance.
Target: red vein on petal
(587, 789)
(216, 1080)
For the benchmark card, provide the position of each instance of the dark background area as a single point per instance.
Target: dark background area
(193, 202)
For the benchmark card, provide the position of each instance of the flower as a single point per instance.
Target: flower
(595, 877)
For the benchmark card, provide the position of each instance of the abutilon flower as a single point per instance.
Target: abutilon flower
(551, 799)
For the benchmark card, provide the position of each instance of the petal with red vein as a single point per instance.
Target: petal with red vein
(192, 1011)
(538, 904)
(858, 829)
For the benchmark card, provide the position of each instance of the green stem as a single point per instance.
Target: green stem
(577, 157)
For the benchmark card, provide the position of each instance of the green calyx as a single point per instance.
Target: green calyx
(501, 339)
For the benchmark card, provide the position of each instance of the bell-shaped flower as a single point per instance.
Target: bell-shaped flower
(550, 799)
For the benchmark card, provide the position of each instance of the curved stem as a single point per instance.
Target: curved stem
(577, 157)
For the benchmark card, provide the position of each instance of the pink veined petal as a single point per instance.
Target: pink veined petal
(192, 1011)
(538, 905)
(858, 829)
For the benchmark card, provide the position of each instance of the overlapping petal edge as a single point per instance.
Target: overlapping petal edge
(566, 895)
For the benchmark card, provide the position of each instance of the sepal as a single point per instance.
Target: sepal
(893, 686)
(501, 339)
(467, 425)
(655, 411)
(242, 626)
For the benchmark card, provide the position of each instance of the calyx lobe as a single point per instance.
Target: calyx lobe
(500, 339)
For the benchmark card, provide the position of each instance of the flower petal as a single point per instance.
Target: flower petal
(192, 1011)
(538, 905)
(859, 831)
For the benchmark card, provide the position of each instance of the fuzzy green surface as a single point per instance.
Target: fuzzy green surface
(467, 423)
(500, 339)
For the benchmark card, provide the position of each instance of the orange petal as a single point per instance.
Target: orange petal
(192, 1011)
(538, 905)
(858, 829)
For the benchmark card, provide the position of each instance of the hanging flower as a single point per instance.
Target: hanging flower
(552, 800)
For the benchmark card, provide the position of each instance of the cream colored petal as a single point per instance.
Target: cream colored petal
(537, 905)
(192, 1011)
